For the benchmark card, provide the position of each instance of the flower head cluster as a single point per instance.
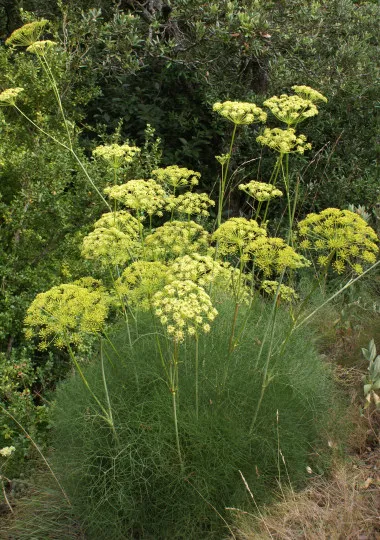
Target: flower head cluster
(309, 93)
(65, 313)
(222, 159)
(240, 113)
(184, 308)
(201, 269)
(234, 235)
(291, 109)
(260, 190)
(27, 34)
(143, 196)
(284, 141)
(176, 177)
(190, 204)
(175, 239)
(9, 96)
(341, 237)
(7, 451)
(140, 281)
(273, 255)
(41, 47)
(288, 294)
(115, 239)
(116, 154)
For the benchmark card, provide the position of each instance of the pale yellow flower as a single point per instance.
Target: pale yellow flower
(240, 113)
(188, 309)
(27, 34)
(285, 141)
(309, 93)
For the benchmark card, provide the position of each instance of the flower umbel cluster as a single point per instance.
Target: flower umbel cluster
(175, 177)
(201, 269)
(41, 47)
(291, 109)
(9, 96)
(65, 313)
(184, 308)
(284, 141)
(115, 239)
(27, 34)
(273, 255)
(140, 281)
(309, 93)
(235, 234)
(288, 294)
(190, 204)
(175, 239)
(143, 196)
(260, 190)
(116, 154)
(240, 113)
(7, 451)
(341, 237)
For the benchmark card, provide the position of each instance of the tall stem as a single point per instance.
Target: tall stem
(265, 380)
(110, 416)
(85, 382)
(224, 179)
(174, 390)
(273, 180)
(196, 376)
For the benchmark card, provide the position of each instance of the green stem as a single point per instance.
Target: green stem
(38, 450)
(110, 416)
(265, 381)
(71, 150)
(196, 376)
(273, 180)
(224, 178)
(85, 382)
(174, 389)
(342, 289)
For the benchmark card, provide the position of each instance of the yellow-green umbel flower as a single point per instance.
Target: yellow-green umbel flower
(288, 294)
(140, 281)
(116, 154)
(7, 451)
(41, 47)
(175, 177)
(285, 141)
(175, 239)
(273, 255)
(65, 314)
(223, 158)
(8, 97)
(309, 93)
(234, 235)
(240, 113)
(184, 308)
(291, 109)
(190, 204)
(143, 196)
(115, 239)
(339, 237)
(201, 269)
(27, 34)
(261, 191)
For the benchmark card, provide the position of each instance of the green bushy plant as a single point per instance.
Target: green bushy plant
(133, 486)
